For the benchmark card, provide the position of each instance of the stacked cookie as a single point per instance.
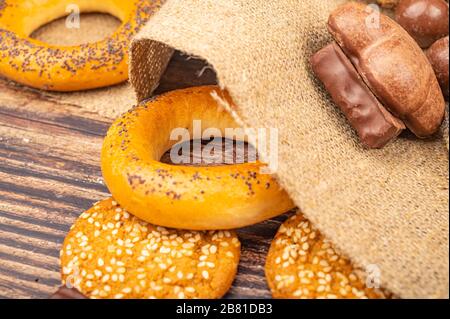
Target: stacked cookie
(110, 253)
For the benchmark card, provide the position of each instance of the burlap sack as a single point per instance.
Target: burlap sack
(385, 207)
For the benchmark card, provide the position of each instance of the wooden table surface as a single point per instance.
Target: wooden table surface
(50, 173)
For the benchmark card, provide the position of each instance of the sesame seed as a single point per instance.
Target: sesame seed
(205, 274)
(187, 245)
(229, 254)
(141, 276)
(164, 250)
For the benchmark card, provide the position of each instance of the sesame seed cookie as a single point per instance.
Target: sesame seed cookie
(302, 264)
(109, 253)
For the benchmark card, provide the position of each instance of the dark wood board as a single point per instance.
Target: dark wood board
(50, 173)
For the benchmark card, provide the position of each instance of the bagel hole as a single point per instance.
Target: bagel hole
(185, 71)
(213, 152)
(93, 27)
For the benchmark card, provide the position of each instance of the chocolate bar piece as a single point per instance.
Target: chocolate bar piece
(375, 125)
(67, 293)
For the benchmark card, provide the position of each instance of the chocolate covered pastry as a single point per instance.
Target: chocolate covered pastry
(374, 124)
(425, 20)
(395, 84)
(438, 56)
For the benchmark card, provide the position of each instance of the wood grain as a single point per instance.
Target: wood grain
(50, 173)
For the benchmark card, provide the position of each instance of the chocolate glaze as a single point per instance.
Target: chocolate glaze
(425, 20)
(67, 293)
(391, 64)
(374, 124)
(438, 54)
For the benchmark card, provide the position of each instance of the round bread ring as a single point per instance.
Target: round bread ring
(186, 197)
(67, 68)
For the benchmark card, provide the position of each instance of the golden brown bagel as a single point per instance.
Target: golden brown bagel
(186, 197)
(67, 68)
